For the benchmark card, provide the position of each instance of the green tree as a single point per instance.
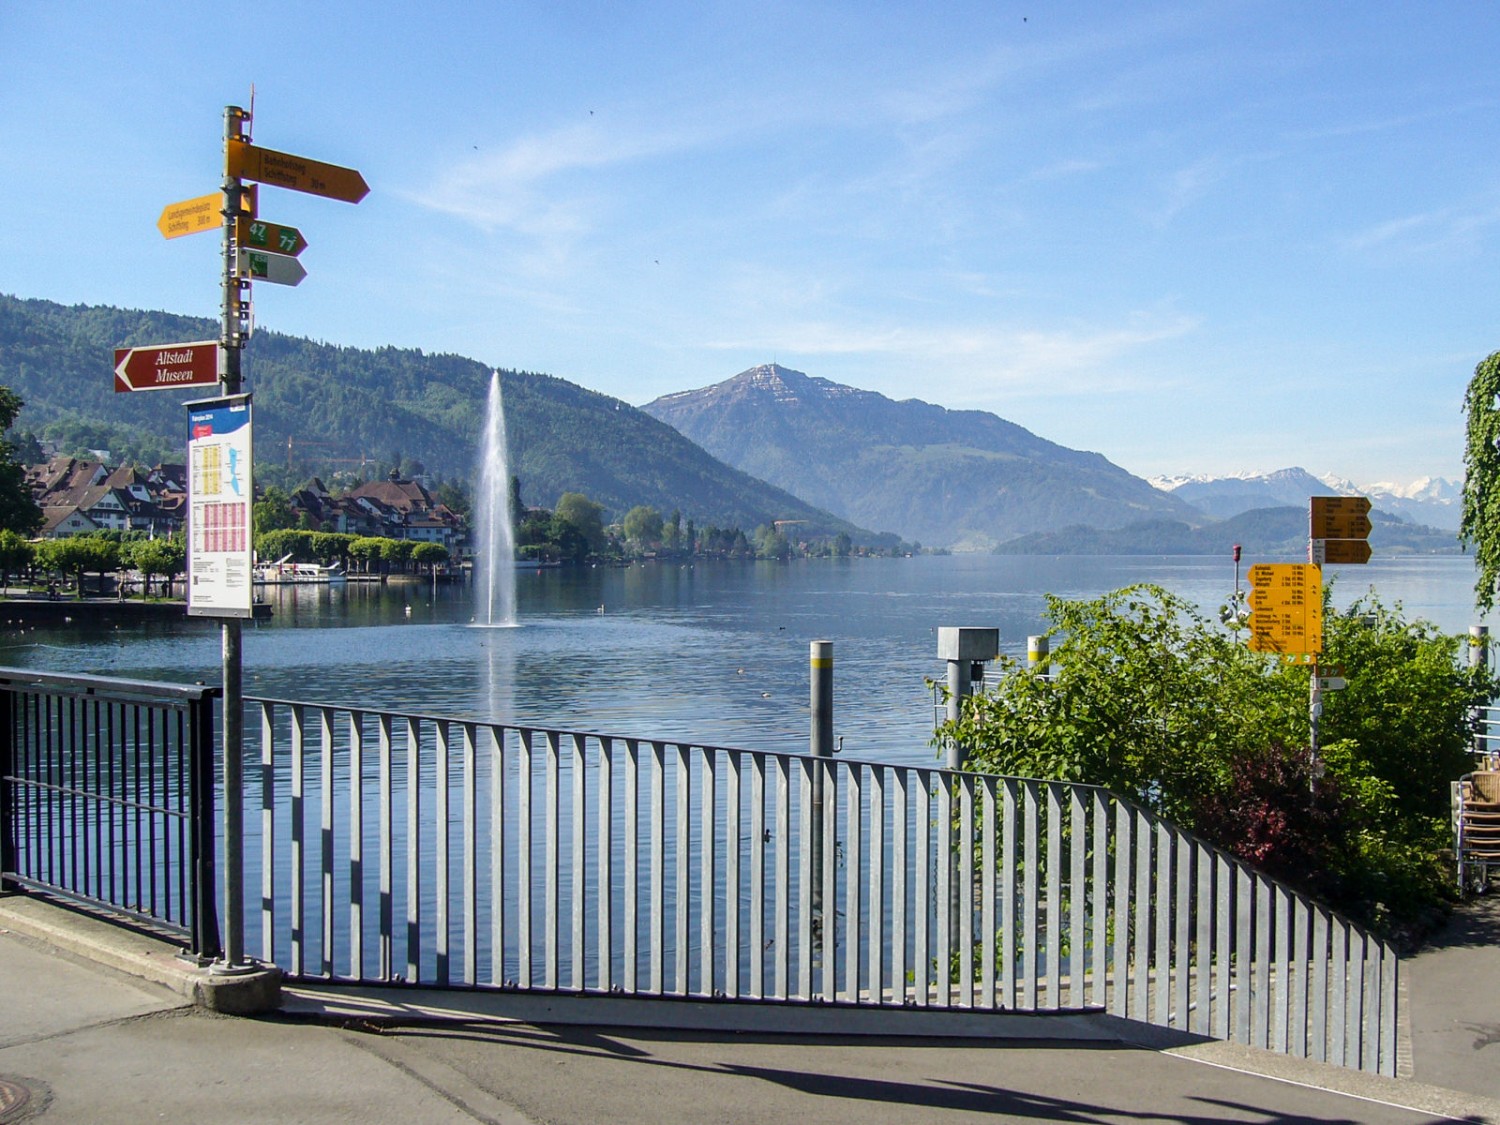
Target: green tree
(165, 557)
(18, 510)
(1479, 520)
(80, 555)
(367, 549)
(642, 526)
(430, 555)
(585, 518)
(287, 542)
(396, 553)
(273, 511)
(16, 555)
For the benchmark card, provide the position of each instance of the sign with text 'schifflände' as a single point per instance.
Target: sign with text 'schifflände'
(220, 566)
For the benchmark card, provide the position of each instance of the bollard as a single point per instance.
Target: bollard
(961, 648)
(1038, 653)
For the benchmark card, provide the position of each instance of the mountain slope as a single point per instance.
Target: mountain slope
(944, 477)
(1431, 501)
(337, 405)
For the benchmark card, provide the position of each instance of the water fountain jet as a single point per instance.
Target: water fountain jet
(495, 571)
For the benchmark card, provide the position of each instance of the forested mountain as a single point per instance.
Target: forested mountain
(944, 477)
(320, 408)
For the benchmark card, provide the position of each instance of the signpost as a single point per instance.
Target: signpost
(190, 216)
(1339, 517)
(1336, 551)
(279, 269)
(255, 234)
(246, 161)
(1286, 609)
(166, 367)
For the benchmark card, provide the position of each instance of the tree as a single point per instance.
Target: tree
(273, 511)
(166, 557)
(79, 555)
(18, 510)
(367, 550)
(16, 555)
(1479, 521)
(585, 518)
(642, 525)
(430, 555)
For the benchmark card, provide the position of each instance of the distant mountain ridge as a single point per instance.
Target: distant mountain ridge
(320, 405)
(961, 478)
(1432, 501)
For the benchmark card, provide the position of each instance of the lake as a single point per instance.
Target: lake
(712, 652)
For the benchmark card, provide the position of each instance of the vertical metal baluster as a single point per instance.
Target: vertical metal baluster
(580, 894)
(551, 859)
(267, 833)
(1098, 904)
(604, 901)
(1281, 900)
(854, 865)
(1054, 866)
(656, 915)
(875, 890)
(707, 833)
(1224, 937)
(1299, 963)
(1389, 990)
(1164, 910)
(1009, 869)
(524, 846)
(1182, 951)
(298, 813)
(441, 855)
(413, 850)
(965, 890)
(805, 876)
(326, 849)
(899, 936)
(632, 862)
(1244, 906)
(921, 956)
(1077, 897)
(1031, 930)
(1260, 1019)
(989, 871)
(681, 854)
(1205, 959)
(1120, 1000)
(757, 876)
(782, 937)
(943, 862)
(1321, 994)
(1354, 993)
(497, 853)
(1141, 954)
(732, 836)
(829, 875)
(387, 844)
(356, 846)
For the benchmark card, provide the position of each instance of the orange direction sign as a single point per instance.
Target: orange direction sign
(164, 367)
(1340, 517)
(280, 169)
(1286, 608)
(1335, 551)
(190, 216)
(253, 234)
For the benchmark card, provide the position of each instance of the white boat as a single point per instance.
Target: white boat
(284, 572)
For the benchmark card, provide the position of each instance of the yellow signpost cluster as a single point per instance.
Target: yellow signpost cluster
(1286, 610)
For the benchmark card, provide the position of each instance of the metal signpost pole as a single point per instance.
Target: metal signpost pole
(231, 340)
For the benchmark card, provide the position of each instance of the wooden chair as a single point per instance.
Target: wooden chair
(1478, 829)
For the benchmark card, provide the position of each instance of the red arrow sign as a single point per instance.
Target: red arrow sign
(165, 366)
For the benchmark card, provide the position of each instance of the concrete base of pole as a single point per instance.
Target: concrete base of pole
(253, 992)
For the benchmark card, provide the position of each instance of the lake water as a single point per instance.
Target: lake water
(713, 653)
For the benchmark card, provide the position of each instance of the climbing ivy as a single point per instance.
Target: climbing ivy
(1479, 525)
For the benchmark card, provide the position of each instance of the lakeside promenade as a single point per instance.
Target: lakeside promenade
(81, 1041)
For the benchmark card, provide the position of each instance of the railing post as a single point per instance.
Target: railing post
(8, 839)
(201, 821)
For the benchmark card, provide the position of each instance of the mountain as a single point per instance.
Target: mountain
(320, 407)
(961, 478)
(1277, 534)
(1431, 500)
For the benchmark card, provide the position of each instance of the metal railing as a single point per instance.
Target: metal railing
(107, 798)
(401, 848)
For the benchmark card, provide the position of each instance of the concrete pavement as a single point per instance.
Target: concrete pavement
(83, 1042)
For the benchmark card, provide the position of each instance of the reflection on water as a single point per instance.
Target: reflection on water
(713, 653)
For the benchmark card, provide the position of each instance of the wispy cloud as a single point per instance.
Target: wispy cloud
(1446, 231)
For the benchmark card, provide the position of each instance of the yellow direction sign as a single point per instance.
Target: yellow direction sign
(191, 216)
(280, 169)
(1286, 608)
(1335, 551)
(1340, 517)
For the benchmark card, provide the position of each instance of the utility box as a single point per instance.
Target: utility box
(968, 644)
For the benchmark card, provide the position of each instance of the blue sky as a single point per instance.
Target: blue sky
(1203, 237)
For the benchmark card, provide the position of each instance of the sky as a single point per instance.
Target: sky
(1194, 237)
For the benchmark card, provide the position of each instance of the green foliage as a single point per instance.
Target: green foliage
(1479, 523)
(577, 519)
(642, 525)
(273, 511)
(290, 543)
(430, 555)
(79, 555)
(18, 511)
(1151, 701)
(165, 558)
(16, 555)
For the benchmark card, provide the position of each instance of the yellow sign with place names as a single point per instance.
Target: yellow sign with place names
(1286, 609)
